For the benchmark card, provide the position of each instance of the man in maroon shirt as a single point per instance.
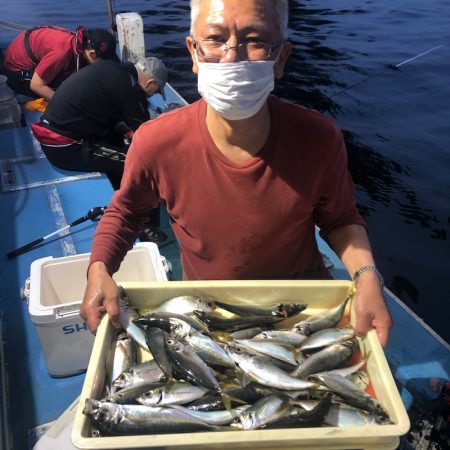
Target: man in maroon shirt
(245, 176)
(39, 59)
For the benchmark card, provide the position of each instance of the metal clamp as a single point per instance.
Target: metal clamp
(25, 290)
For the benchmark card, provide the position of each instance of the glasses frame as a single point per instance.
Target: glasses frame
(226, 48)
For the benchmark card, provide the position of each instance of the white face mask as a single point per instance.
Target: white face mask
(236, 90)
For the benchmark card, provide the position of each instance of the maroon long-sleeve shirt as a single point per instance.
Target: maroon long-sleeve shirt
(252, 220)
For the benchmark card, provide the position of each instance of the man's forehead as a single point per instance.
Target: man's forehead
(222, 12)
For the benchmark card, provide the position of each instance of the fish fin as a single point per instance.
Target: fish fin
(226, 399)
(237, 400)
(221, 337)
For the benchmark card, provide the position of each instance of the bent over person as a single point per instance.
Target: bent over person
(245, 176)
(94, 113)
(39, 59)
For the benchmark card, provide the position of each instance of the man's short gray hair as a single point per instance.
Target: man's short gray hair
(281, 16)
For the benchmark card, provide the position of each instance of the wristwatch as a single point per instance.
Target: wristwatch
(368, 268)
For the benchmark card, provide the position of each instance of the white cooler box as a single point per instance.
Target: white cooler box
(56, 289)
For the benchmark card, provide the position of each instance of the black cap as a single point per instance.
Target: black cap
(102, 41)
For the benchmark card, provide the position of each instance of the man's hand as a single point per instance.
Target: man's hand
(370, 308)
(101, 295)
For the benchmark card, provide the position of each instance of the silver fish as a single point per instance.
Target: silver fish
(326, 319)
(263, 412)
(178, 393)
(146, 372)
(222, 417)
(350, 393)
(155, 338)
(327, 336)
(280, 309)
(342, 415)
(190, 365)
(246, 333)
(282, 352)
(260, 370)
(122, 355)
(116, 419)
(349, 370)
(186, 304)
(208, 349)
(130, 394)
(290, 337)
(127, 315)
(326, 359)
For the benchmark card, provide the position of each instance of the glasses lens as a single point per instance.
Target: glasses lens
(255, 51)
(214, 51)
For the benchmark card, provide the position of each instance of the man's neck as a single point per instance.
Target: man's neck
(239, 140)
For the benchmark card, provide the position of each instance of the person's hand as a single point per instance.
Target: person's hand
(101, 295)
(370, 308)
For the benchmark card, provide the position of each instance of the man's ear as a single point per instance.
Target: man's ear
(190, 46)
(90, 56)
(285, 52)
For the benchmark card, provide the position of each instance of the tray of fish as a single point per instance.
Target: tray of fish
(252, 364)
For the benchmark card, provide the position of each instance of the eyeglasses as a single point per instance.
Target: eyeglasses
(213, 51)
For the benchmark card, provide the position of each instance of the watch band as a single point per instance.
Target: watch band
(368, 268)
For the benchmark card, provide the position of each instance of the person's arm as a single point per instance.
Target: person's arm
(352, 245)
(116, 233)
(135, 108)
(38, 85)
(101, 296)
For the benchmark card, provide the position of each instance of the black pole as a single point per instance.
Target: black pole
(93, 214)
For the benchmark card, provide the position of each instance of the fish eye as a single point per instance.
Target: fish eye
(101, 415)
(170, 342)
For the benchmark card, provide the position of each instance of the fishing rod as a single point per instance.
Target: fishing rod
(93, 214)
(390, 67)
(13, 26)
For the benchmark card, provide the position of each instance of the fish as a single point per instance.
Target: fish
(326, 359)
(326, 336)
(191, 366)
(264, 411)
(146, 372)
(282, 352)
(284, 336)
(326, 319)
(267, 374)
(178, 393)
(185, 304)
(343, 415)
(352, 394)
(221, 417)
(279, 310)
(155, 338)
(314, 417)
(116, 419)
(208, 349)
(130, 394)
(233, 324)
(168, 320)
(246, 333)
(127, 316)
(237, 395)
(122, 356)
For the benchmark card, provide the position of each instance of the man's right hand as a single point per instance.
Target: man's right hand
(101, 295)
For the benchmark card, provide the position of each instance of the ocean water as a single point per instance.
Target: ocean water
(396, 120)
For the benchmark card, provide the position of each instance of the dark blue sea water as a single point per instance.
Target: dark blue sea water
(397, 124)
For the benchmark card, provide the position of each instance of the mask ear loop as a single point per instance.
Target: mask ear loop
(78, 46)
